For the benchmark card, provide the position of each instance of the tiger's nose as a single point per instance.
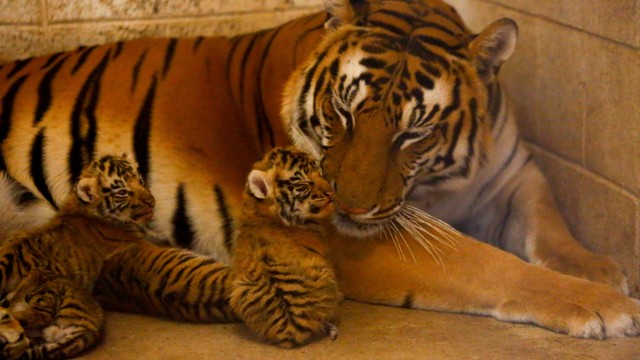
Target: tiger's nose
(350, 210)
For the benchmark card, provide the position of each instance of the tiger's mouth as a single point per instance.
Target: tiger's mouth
(364, 224)
(345, 224)
(143, 215)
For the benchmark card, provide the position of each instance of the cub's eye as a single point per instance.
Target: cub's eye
(301, 187)
(121, 193)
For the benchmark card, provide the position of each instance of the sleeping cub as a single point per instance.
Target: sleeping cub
(47, 274)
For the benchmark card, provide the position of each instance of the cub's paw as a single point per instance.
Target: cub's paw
(13, 342)
(595, 267)
(578, 308)
(332, 331)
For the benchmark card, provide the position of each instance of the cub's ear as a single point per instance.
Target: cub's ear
(87, 189)
(260, 184)
(343, 12)
(492, 47)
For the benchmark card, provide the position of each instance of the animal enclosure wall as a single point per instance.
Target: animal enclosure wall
(38, 27)
(574, 78)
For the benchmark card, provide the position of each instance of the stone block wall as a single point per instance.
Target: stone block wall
(39, 27)
(574, 78)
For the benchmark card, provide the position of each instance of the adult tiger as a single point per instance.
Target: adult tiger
(400, 101)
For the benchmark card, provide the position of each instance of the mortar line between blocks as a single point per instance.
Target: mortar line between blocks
(142, 21)
(583, 111)
(585, 172)
(177, 17)
(44, 12)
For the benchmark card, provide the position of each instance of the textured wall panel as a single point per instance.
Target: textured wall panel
(20, 11)
(618, 20)
(602, 217)
(33, 41)
(70, 10)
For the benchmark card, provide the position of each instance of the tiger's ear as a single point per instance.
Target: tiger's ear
(344, 12)
(87, 189)
(492, 47)
(260, 184)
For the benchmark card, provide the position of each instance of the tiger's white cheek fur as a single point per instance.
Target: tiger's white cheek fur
(356, 89)
(439, 96)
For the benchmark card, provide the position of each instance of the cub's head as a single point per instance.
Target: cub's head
(111, 188)
(289, 185)
(396, 97)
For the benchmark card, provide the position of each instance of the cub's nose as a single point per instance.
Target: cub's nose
(148, 199)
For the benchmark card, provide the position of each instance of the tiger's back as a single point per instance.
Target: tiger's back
(175, 104)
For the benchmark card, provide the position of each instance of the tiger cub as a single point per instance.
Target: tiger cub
(47, 274)
(284, 288)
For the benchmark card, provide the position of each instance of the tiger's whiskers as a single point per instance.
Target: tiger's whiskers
(427, 230)
(387, 233)
(398, 232)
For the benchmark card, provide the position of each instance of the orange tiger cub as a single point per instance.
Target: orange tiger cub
(284, 288)
(47, 274)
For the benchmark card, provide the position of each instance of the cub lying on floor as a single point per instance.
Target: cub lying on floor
(284, 288)
(48, 274)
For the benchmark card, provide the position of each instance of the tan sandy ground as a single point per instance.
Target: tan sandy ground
(366, 332)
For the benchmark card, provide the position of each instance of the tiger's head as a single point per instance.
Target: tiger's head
(289, 185)
(111, 188)
(395, 96)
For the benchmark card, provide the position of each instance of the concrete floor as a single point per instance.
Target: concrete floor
(366, 332)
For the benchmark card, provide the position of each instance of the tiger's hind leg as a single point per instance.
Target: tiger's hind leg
(68, 315)
(20, 208)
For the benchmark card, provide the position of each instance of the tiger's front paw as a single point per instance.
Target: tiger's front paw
(13, 342)
(595, 267)
(576, 307)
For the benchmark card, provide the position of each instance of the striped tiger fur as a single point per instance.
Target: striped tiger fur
(182, 285)
(284, 287)
(398, 99)
(47, 274)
